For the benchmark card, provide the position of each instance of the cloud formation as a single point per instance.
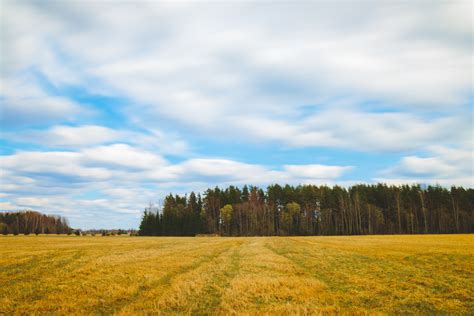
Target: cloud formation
(443, 166)
(121, 178)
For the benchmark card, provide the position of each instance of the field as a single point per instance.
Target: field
(217, 275)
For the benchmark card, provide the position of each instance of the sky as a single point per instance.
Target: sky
(107, 106)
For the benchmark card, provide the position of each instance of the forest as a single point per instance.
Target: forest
(313, 210)
(31, 222)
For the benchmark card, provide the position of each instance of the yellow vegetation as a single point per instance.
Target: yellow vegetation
(256, 275)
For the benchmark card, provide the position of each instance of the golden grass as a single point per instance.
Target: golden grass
(429, 274)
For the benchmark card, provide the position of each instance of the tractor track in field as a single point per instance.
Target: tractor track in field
(117, 306)
(215, 288)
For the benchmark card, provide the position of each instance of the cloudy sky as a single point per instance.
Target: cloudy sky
(106, 106)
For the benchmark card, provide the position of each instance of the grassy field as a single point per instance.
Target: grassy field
(275, 275)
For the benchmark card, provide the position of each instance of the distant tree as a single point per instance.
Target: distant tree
(27, 222)
(226, 218)
(293, 210)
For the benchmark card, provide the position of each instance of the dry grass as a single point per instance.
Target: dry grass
(431, 274)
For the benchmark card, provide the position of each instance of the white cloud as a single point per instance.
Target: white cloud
(32, 201)
(350, 128)
(68, 136)
(24, 103)
(381, 131)
(7, 206)
(316, 171)
(93, 164)
(218, 167)
(73, 137)
(51, 164)
(121, 155)
(444, 166)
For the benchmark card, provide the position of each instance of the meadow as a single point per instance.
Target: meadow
(420, 274)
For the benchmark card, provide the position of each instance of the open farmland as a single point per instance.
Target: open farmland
(218, 275)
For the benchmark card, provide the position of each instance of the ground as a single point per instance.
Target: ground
(125, 275)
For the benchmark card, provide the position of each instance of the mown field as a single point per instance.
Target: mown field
(256, 275)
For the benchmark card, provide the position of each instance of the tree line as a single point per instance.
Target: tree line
(32, 222)
(313, 210)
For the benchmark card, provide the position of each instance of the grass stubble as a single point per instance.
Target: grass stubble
(423, 274)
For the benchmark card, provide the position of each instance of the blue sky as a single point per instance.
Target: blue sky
(108, 106)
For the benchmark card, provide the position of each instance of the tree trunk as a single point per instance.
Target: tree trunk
(425, 219)
(456, 214)
(370, 219)
(399, 212)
